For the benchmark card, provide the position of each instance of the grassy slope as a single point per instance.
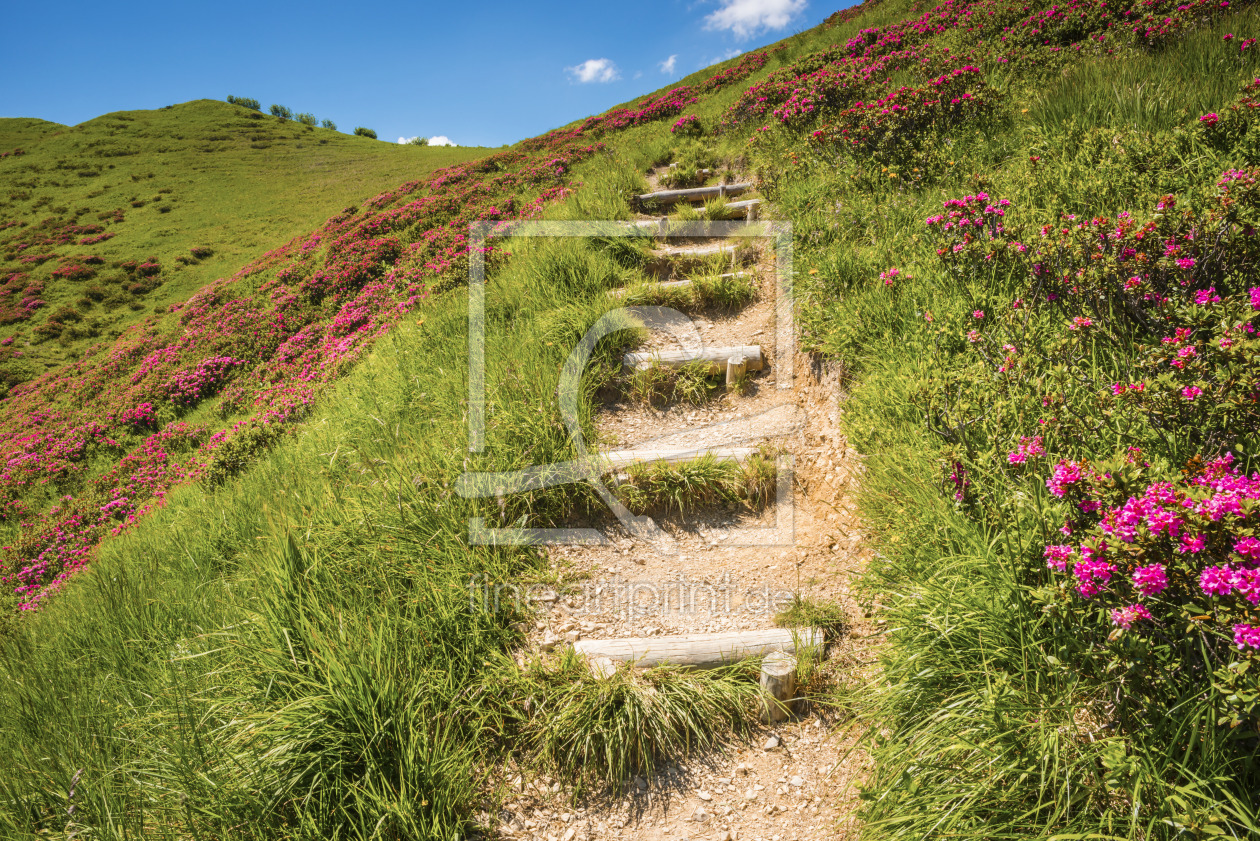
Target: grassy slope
(1009, 713)
(209, 174)
(243, 649)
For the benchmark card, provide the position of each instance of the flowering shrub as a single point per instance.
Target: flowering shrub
(1159, 565)
(687, 126)
(191, 386)
(266, 342)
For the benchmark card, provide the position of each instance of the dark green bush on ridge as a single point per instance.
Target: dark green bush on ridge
(365, 132)
(282, 112)
(244, 102)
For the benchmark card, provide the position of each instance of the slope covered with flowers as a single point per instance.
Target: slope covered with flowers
(89, 448)
(1044, 285)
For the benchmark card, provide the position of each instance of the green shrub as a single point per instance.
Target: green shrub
(329, 124)
(307, 119)
(365, 132)
(281, 112)
(244, 102)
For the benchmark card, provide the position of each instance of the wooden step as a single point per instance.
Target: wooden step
(621, 459)
(715, 357)
(694, 193)
(700, 650)
(671, 284)
(749, 207)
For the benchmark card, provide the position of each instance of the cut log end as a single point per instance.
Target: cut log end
(736, 369)
(778, 686)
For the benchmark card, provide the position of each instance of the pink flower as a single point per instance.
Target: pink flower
(973, 336)
(1249, 548)
(1209, 119)
(1093, 575)
(1124, 617)
(1080, 323)
(977, 314)
(1247, 636)
(1065, 473)
(1190, 392)
(1058, 556)
(1191, 545)
(1027, 447)
(1150, 580)
(1217, 581)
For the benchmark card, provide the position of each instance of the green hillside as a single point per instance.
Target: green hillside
(237, 566)
(148, 187)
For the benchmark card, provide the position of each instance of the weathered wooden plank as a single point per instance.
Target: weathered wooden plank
(745, 206)
(702, 650)
(715, 357)
(694, 193)
(621, 459)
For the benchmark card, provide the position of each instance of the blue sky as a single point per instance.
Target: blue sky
(479, 73)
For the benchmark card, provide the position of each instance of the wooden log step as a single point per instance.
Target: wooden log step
(715, 357)
(670, 284)
(694, 193)
(733, 206)
(701, 251)
(621, 459)
(700, 650)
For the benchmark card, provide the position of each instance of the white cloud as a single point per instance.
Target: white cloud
(667, 66)
(746, 18)
(638, 74)
(722, 58)
(594, 70)
(441, 140)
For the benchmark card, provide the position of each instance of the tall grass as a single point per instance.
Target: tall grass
(1195, 75)
(300, 651)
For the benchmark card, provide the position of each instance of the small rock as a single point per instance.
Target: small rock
(701, 816)
(549, 641)
(797, 781)
(640, 784)
(771, 743)
(568, 836)
(704, 795)
(572, 636)
(750, 795)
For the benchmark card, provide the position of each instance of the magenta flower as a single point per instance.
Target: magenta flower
(1217, 581)
(1247, 636)
(1190, 392)
(1150, 580)
(1249, 548)
(1191, 545)
(1057, 557)
(1124, 617)
(1092, 574)
(1066, 473)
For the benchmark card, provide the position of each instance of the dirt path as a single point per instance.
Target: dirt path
(796, 780)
